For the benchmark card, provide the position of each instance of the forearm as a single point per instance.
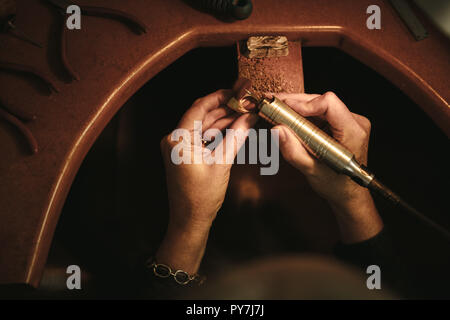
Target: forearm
(358, 218)
(365, 242)
(183, 247)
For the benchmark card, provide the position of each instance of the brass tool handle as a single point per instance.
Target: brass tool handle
(321, 145)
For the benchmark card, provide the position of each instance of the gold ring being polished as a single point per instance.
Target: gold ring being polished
(236, 105)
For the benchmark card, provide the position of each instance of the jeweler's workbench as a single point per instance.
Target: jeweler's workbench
(113, 63)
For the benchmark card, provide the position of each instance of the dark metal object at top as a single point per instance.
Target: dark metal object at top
(408, 16)
(131, 21)
(236, 9)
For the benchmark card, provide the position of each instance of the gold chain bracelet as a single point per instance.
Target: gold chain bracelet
(164, 271)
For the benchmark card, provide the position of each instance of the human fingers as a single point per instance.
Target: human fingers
(202, 106)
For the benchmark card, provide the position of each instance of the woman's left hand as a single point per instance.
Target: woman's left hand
(197, 190)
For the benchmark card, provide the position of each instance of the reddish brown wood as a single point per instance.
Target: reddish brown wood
(113, 64)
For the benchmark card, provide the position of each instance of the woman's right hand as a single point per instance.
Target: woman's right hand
(356, 213)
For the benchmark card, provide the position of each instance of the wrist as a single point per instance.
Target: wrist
(187, 224)
(189, 231)
(358, 200)
(357, 218)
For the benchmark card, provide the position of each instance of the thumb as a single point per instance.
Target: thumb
(293, 150)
